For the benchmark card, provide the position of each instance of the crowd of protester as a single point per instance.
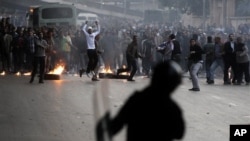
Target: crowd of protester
(67, 45)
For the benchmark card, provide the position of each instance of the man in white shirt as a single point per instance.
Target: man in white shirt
(91, 48)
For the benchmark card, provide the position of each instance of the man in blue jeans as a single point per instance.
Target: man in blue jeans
(218, 59)
(196, 59)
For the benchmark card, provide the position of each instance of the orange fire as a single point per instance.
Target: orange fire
(58, 70)
(18, 74)
(3, 73)
(27, 73)
(124, 73)
(108, 70)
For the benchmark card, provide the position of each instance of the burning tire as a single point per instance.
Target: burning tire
(54, 74)
(112, 76)
(51, 77)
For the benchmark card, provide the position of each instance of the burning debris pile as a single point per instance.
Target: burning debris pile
(54, 74)
(108, 73)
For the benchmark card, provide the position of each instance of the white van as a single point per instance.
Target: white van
(83, 17)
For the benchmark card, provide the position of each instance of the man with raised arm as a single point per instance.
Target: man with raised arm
(91, 48)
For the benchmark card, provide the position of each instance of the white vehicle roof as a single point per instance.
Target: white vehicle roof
(87, 14)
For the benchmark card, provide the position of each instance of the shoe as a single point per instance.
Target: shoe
(130, 79)
(208, 79)
(95, 79)
(227, 82)
(41, 81)
(247, 83)
(210, 82)
(80, 73)
(194, 89)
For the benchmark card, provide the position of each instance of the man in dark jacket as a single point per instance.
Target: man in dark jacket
(131, 56)
(229, 59)
(40, 47)
(196, 63)
(208, 50)
(242, 60)
(176, 52)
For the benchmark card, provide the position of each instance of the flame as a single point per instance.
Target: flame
(58, 70)
(108, 70)
(3, 73)
(27, 74)
(123, 66)
(18, 74)
(125, 73)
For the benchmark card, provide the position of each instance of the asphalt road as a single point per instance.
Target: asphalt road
(62, 110)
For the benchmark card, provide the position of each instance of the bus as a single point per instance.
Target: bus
(51, 15)
(83, 17)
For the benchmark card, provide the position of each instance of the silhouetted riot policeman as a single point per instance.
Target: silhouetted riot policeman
(151, 114)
